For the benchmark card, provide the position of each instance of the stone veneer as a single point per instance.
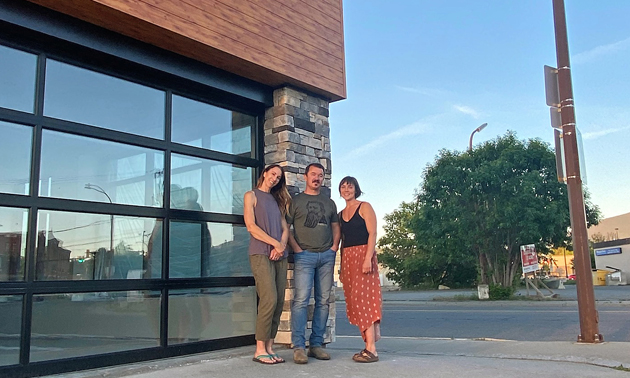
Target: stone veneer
(297, 133)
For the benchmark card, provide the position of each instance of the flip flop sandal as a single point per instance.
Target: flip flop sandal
(365, 357)
(278, 359)
(261, 359)
(358, 354)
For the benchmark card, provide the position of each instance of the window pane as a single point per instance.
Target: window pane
(206, 314)
(17, 79)
(208, 185)
(229, 253)
(80, 95)
(78, 246)
(13, 225)
(202, 125)
(15, 147)
(81, 324)
(10, 325)
(189, 247)
(100, 171)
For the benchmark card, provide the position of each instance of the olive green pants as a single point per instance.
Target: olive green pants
(271, 280)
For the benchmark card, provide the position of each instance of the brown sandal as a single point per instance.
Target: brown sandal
(365, 356)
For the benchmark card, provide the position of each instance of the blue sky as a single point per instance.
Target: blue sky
(423, 74)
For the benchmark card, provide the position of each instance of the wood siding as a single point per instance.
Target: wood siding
(274, 42)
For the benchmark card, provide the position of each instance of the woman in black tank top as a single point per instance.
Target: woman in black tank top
(359, 268)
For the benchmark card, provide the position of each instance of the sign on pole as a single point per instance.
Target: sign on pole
(552, 95)
(529, 258)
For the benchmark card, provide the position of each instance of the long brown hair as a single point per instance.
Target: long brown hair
(279, 191)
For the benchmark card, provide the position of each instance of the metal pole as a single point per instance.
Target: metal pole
(589, 328)
(473, 133)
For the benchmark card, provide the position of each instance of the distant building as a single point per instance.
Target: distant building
(617, 227)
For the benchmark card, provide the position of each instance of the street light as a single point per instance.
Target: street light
(111, 217)
(478, 129)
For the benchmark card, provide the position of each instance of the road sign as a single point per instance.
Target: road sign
(560, 164)
(556, 120)
(529, 258)
(551, 87)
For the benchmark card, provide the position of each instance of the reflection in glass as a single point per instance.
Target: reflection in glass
(200, 249)
(13, 225)
(189, 248)
(10, 324)
(206, 314)
(229, 252)
(81, 324)
(17, 79)
(219, 187)
(202, 125)
(75, 167)
(80, 95)
(78, 246)
(15, 147)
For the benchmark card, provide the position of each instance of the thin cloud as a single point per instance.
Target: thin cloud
(424, 91)
(599, 51)
(466, 110)
(601, 133)
(416, 128)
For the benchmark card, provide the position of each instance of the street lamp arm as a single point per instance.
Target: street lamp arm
(478, 129)
(98, 189)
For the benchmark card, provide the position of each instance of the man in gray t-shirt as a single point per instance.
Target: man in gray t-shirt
(314, 240)
(312, 217)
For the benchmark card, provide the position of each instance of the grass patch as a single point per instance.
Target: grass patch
(622, 368)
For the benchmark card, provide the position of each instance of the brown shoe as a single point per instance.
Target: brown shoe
(365, 356)
(299, 356)
(319, 353)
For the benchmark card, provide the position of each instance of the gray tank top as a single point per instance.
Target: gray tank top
(269, 219)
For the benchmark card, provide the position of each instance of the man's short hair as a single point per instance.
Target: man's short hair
(316, 165)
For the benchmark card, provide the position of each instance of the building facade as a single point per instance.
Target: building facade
(130, 132)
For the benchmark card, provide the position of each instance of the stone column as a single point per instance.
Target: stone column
(297, 133)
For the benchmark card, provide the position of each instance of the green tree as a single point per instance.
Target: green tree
(412, 267)
(479, 206)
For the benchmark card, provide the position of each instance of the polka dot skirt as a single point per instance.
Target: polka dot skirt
(362, 291)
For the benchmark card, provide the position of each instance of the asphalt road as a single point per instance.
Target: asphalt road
(511, 320)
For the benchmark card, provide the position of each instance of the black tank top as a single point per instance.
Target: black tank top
(354, 232)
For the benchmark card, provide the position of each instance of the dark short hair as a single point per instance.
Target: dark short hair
(316, 165)
(352, 181)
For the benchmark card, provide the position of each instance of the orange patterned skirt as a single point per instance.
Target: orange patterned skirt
(362, 291)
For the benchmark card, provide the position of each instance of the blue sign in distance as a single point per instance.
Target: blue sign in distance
(608, 251)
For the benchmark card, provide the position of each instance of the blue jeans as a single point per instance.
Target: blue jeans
(312, 269)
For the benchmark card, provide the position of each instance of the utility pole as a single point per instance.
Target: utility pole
(589, 319)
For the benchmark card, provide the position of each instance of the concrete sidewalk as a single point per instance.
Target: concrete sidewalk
(400, 357)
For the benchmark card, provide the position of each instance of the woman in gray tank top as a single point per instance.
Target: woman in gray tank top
(264, 212)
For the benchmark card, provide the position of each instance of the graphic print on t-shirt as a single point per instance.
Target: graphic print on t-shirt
(316, 214)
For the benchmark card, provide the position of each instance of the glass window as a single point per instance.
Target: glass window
(81, 324)
(200, 249)
(208, 185)
(82, 246)
(17, 79)
(13, 225)
(10, 325)
(15, 147)
(202, 125)
(206, 314)
(89, 169)
(80, 95)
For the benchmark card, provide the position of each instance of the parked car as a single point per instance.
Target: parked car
(571, 277)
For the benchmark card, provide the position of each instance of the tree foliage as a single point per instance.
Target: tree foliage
(475, 209)
(411, 266)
